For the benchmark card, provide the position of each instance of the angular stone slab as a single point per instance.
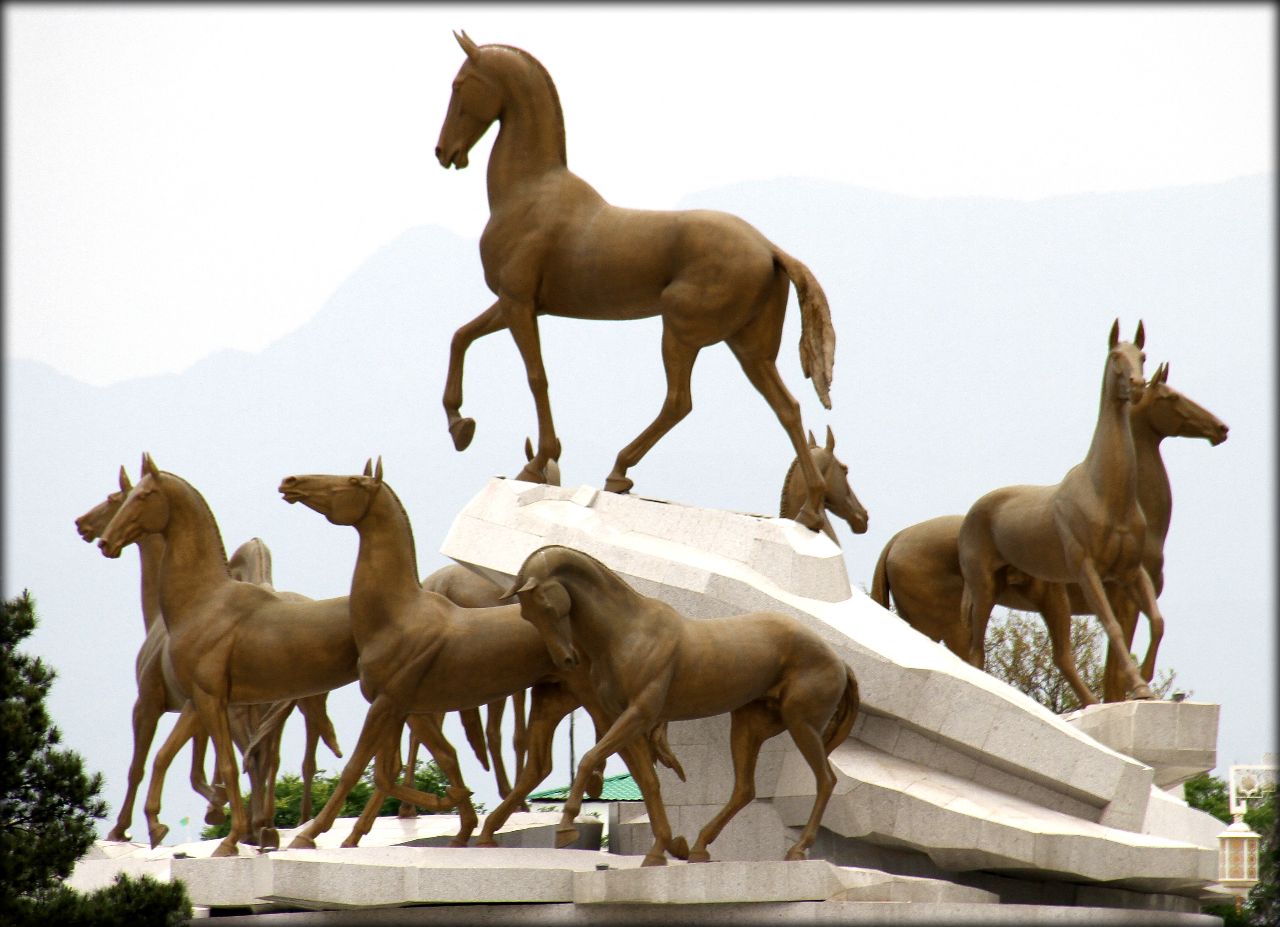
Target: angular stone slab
(1177, 739)
(938, 724)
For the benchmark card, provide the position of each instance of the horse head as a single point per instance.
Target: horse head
(92, 523)
(474, 106)
(1170, 414)
(343, 500)
(1124, 380)
(545, 604)
(840, 498)
(144, 510)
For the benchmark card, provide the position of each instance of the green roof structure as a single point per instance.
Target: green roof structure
(616, 788)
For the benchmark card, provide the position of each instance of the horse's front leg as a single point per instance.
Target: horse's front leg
(212, 711)
(1095, 594)
(521, 317)
(677, 360)
(486, 323)
(1146, 597)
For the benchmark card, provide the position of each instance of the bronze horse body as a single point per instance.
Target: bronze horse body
(553, 246)
(1088, 530)
(920, 565)
(651, 665)
(230, 642)
(157, 695)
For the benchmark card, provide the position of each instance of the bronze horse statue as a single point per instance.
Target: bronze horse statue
(553, 246)
(157, 695)
(650, 665)
(920, 565)
(838, 496)
(1088, 529)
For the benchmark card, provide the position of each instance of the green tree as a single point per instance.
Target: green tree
(1018, 652)
(428, 778)
(48, 805)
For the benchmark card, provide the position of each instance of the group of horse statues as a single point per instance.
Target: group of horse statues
(234, 657)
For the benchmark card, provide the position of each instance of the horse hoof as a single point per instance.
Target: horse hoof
(654, 860)
(302, 843)
(679, 848)
(459, 841)
(565, 836)
(1142, 694)
(118, 834)
(157, 834)
(462, 431)
(268, 839)
(486, 840)
(809, 519)
(223, 849)
(353, 840)
(215, 815)
(795, 854)
(699, 856)
(619, 484)
(407, 812)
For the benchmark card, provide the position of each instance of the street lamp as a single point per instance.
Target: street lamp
(1238, 859)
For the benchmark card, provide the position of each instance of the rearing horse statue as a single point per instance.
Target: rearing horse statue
(553, 246)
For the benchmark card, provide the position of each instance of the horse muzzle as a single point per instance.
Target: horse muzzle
(87, 534)
(455, 158)
(110, 549)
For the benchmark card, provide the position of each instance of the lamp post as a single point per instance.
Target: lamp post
(1238, 859)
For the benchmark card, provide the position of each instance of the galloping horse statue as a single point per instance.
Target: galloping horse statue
(553, 246)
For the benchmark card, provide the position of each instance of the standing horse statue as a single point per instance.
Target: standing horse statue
(1088, 529)
(920, 566)
(420, 655)
(157, 695)
(838, 496)
(230, 642)
(650, 665)
(553, 246)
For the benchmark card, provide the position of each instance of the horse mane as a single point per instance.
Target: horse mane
(793, 483)
(551, 85)
(408, 526)
(577, 563)
(217, 532)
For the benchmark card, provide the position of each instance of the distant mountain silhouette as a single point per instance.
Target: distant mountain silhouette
(971, 342)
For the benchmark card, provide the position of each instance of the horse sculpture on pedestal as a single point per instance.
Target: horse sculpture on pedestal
(553, 246)
(1087, 529)
(920, 565)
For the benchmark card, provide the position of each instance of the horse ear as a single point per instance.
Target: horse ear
(528, 449)
(1163, 372)
(125, 485)
(377, 471)
(468, 46)
(1140, 338)
(813, 442)
(529, 586)
(831, 439)
(1115, 334)
(149, 465)
(368, 467)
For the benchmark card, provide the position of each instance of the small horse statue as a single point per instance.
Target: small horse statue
(838, 496)
(920, 565)
(251, 562)
(553, 246)
(651, 665)
(1088, 529)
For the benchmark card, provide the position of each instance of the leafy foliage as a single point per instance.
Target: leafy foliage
(47, 802)
(125, 903)
(427, 778)
(1019, 652)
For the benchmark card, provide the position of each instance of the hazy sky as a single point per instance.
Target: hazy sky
(189, 178)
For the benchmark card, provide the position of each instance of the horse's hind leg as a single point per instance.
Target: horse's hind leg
(763, 374)
(486, 323)
(749, 727)
(1055, 608)
(493, 737)
(677, 359)
(427, 728)
(522, 320)
(808, 739)
(408, 809)
(187, 726)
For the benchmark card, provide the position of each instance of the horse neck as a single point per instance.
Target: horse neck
(603, 605)
(794, 489)
(151, 556)
(195, 561)
(1110, 462)
(386, 573)
(1154, 492)
(530, 139)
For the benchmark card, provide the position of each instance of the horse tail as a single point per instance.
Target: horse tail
(880, 578)
(839, 726)
(817, 334)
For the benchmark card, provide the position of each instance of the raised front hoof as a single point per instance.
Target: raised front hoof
(157, 834)
(268, 839)
(407, 811)
(215, 815)
(654, 859)
(119, 834)
(619, 484)
(795, 853)
(565, 836)
(302, 843)
(462, 431)
(225, 849)
(699, 856)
